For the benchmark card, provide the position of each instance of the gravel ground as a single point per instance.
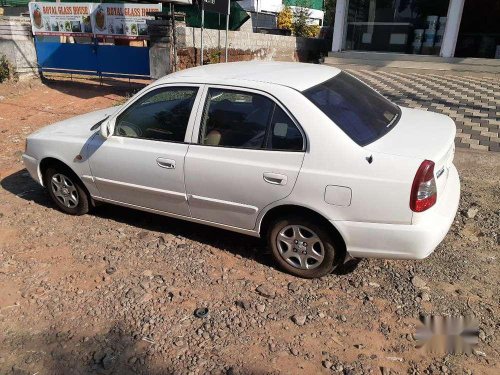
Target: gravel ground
(113, 292)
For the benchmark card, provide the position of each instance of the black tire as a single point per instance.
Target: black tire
(82, 202)
(330, 250)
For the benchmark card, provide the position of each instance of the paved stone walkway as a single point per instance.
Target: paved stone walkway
(473, 102)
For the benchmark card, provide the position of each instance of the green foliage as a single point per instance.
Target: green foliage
(329, 9)
(6, 70)
(285, 18)
(300, 23)
(214, 56)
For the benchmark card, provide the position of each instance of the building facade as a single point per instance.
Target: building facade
(446, 28)
(263, 12)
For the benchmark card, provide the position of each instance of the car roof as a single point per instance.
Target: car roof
(299, 76)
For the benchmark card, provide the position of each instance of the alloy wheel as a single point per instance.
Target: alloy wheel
(300, 247)
(64, 190)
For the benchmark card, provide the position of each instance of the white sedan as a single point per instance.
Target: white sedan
(305, 155)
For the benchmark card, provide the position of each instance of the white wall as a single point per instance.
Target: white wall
(262, 5)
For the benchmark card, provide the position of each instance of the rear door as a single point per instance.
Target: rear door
(246, 153)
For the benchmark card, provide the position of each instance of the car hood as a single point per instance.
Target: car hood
(418, 134)
(82, 125)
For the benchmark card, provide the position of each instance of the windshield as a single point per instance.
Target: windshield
(361, 112)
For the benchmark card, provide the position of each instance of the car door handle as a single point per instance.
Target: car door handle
(166, 163)
(275, 178)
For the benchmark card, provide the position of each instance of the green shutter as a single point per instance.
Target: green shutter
(313, 4)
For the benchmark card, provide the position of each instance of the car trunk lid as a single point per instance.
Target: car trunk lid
(422, 135)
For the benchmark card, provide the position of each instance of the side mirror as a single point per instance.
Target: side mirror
(104, 129)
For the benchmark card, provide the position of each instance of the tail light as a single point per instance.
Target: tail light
(423, 191)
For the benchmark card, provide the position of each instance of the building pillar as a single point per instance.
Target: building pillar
(452, 28)
(339, 26)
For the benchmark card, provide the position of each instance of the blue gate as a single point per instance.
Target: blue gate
(92, 59)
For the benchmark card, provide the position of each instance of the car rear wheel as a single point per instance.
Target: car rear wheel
(66, 191)
(302, 247)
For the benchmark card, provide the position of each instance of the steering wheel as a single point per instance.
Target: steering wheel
(128, 129)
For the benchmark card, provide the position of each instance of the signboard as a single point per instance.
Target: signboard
(216, 6)
(61, 18)
(126, 21)
(122, 20)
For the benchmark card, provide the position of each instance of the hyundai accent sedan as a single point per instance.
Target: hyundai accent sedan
(306, 156)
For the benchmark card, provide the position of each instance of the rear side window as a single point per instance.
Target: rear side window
(361, 112)
(235, 119)
(247, 120)
(284, 134)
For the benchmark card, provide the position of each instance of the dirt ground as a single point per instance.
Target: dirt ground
(113, 292)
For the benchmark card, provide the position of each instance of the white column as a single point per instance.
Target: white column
(452, 27)
(339, 27)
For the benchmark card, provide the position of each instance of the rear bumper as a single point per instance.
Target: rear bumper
(396, 241)
(31, 165)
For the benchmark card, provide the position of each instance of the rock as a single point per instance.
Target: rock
(108, 361)
(472, 212)
(293, 286)
(343, 318)
(327, 364)
(418, 282)
(132, 360)
(245, 305)
(145, 298)
(98, 356)
(375, 285)
(426, 297)
(110, 270)
(300, 320)
(134, 292)
(294, 352)
(359, 346)
(482, 335)
(479, 353)
(260, 308)
(104, 357)
(147, 273)
(266, 291)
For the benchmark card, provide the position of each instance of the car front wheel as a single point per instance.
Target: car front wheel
(302, 247)
(66, 191)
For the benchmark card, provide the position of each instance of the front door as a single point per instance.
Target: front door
(248, 154)
(142, 162)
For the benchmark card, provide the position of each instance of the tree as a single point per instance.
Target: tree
(329, 9)
(285, 18)
(301, 21)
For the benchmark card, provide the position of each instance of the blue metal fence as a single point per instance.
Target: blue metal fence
(92, 59)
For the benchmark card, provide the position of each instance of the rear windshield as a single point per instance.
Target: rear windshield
(361, 112)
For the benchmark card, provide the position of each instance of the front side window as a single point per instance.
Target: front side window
(361, 112)
(247, 120)
(161, 115)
